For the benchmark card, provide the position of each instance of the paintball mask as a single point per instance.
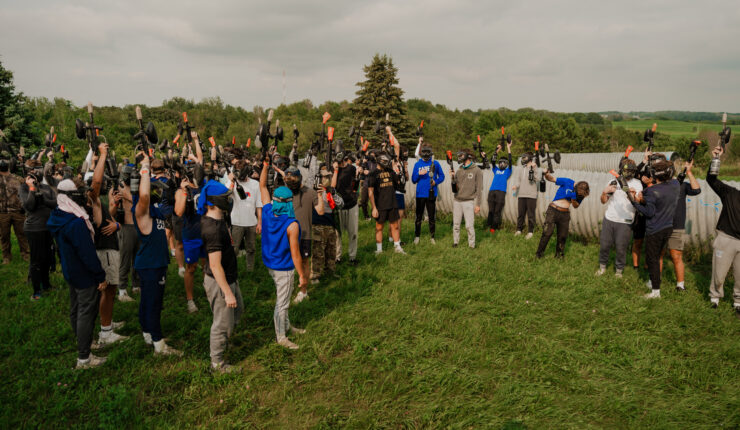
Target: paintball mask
(503, 164)
(222, 201)
(384, 161)
(426, 153)
(628, 169)
(293, 179)
(582, 190)
(526, 158)
(462, 157)
(78, 195)
(156, 191)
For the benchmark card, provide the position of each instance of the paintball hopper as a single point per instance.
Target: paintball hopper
(726, 134)
(80, 130)
(649, 133)
(278, 131)
(556, 156)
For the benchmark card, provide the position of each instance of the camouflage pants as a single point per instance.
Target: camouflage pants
(324, 250)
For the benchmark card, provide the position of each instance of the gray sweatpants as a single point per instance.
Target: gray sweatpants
(462, 210)
(128, 245)
(348, 221)
(617, 235)
(248, 234)
(83, 312)
(726, 253)
(224, 318)
(284, 287)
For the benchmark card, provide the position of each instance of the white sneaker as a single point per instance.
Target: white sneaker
(172, 252)
(601, 271)
(124, 297)
(296, 330)
(161, 348)
(649, 284)
(135, 290)
(432, 241)
(618, 274)
(285, 342)
(416, 241)
(714, 302)
(528, 236)
(181, 272)
(116, 325)
(518, 233)
(223, 367)
(147, 338)
(301, 296)
(109, 337)
(378, 252)
(192, 308)
(399, 250)
(92, 361)
(654, 294)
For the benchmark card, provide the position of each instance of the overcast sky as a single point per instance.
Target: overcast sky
(559, 55)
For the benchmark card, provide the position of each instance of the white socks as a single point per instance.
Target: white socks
(680, 284)
(379, 247)
(159, 345)
(397, 244)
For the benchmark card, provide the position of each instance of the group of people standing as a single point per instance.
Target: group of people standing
(107, 234)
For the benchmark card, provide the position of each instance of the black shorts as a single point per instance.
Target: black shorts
(638, 227)
(390, 215)
(168, 222)
(177, 227)
(306, 247)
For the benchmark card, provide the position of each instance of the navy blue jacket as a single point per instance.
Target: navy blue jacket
(80, 264)
(660, 206)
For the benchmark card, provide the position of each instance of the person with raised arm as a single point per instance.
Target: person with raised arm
(281, 252)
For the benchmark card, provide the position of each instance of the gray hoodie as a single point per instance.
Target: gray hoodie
(469, 184)
(527, 189)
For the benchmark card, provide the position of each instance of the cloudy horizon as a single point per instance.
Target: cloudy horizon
(562, 56)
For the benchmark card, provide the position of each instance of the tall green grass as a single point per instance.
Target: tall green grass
(441, 338)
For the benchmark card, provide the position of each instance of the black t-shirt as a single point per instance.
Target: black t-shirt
(347, 186)
(679, 219)
(384, 186)
(216, 237)
(102, 241)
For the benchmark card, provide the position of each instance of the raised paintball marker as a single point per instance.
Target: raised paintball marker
(478, 147)
(184, 127)
(88, 130)
(357, 134)
(620, 180)
(49, 141)
(147, 136)
(262, 138)
(692, 152)
(724, 138)
(453, 182)
(294, 151)
(649, 135)
(537, 161)
(545, 152)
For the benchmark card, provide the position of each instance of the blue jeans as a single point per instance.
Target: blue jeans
(150, 303)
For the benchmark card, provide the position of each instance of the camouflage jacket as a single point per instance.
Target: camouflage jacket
(9, 200)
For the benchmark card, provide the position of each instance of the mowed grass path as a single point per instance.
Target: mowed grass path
(458, 338)
(671, 127)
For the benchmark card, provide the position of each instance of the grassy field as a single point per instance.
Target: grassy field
(441, 338)
(673, 128)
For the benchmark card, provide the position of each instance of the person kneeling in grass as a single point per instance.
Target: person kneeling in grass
(558, 213)
(281, 252)
(220, 280)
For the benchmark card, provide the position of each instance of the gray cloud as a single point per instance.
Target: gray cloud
(566, 55)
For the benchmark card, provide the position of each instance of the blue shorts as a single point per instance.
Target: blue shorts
(401, 201)
(193, 250)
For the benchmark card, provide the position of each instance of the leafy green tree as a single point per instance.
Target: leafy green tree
(16, 118)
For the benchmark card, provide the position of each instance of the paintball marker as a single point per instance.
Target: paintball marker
(649, 135)
(184, 127)
(724, 138)
(88, 130)
(478, 147)
(537, 161)
(420, 133)
(357, 134)
(692, 151)
(453, 183)
(294, 151)
(147, 136)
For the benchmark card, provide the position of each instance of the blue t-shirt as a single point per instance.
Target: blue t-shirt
(275, 242)
(500, 178)
(566, 190)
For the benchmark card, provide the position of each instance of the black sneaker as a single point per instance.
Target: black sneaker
(454, 245)
(715, 305)
(353, 262)
(680, 289)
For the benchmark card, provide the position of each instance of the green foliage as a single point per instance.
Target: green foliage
(447, 338)
(16, 120)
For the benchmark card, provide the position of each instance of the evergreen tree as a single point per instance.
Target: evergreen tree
(379, 95)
